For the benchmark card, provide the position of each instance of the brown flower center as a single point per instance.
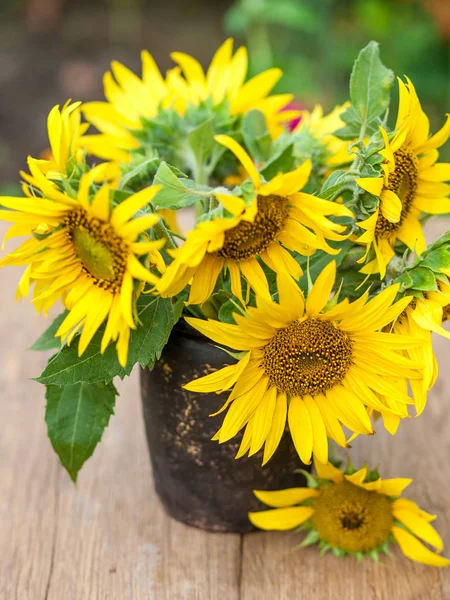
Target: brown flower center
(351, 518)
(249, 239)
(403, 182)
(307, 357)
(102, 252)
(446, 313)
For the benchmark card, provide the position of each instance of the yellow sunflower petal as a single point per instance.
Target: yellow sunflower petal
(373, 185)
(242, 156)
(415, 550)
(321, 290)
(281, 519)
(301, 429)
(284, 498)
(419, 527)
(328, 471)
(277, 428)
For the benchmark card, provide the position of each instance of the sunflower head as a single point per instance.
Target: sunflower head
(156, 110)
(314, 137)
(411, 184)
(260, 226)
(86, 251)
(314, 363)
(355, 513)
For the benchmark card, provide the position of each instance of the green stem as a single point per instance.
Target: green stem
(213, 203)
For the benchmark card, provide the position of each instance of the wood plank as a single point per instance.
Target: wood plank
(114, 539)
(271, 569)
(28, 473)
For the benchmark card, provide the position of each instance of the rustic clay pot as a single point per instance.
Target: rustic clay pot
(199, 481)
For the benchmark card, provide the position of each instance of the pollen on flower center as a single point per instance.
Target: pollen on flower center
(446, 313)
(352, 518)
(403, 182)
(101, 251)
(248, 239)
(307, 357)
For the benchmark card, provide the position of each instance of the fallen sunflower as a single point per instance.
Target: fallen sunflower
(318, 368)
(353, 512)
(131, 99)
(412, 184)
(279, 219)
(84, 253)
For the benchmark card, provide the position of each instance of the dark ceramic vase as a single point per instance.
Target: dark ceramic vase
(199, 481)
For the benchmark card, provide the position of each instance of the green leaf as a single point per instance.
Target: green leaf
(76, 416)
(283, 162)
(48, 341)
(201, 140)
(175, 192)
(226, 312)
(437, 259)
(146, 168)
(256, 136)
(146, 344)
(370, 84)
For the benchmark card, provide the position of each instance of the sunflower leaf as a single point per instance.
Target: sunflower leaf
(176, 192)
(146, 344)
(48, 341)
(370, 84)
(201, 140)
(76, 416)
(256, 136)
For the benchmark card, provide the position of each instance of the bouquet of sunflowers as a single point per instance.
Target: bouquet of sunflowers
(307, 262)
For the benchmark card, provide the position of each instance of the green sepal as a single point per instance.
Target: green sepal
(324, 547)
(311, 481)
(313, 537)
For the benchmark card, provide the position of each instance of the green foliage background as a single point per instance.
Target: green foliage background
(315, 41)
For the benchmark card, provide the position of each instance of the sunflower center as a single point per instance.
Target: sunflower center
(352, 518)
(101, 251)
(249, 239)
(307, 357)
(403, 182)
(446, 313)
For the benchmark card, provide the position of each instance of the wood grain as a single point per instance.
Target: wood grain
(109, 539)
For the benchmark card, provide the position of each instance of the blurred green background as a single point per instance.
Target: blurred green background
(51, 50)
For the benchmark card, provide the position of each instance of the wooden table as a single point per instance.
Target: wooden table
(108, 538)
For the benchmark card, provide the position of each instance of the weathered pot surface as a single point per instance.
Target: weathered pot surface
(199, 481)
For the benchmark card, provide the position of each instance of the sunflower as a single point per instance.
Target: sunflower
(412, 184)
(319, 367)
(332, 150)
(85, 253)
(131, 99)
(353, 512)
(278, 219)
